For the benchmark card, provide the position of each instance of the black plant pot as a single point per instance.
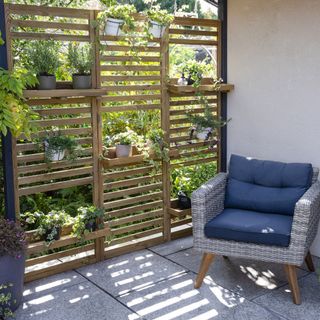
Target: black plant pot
(81, 81)
(91, 226)
(184, 202)
(46, 82)
(56, 236)
(190, 81)
(12, 272)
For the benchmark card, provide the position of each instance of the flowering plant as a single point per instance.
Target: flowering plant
(12, 238)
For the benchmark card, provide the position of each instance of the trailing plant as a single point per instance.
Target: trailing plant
(43, 57)
(31, 220)
(55, 142)
(51, 223)
(126, 138)
(163, 17)
(119, 11)
(5, 301)
(80, 58)
(86, 221)
(194, 70)
(157, 146)
(12, 238)
(15, 114)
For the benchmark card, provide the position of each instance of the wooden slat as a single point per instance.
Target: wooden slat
(193, 162)
(60, 101)
(123, 38)
(128, 88)
(139, 68)
(127, 173)
(130, 78)
(63, 93)
(49, 25)
(128, 48)
(130, 59)
(63, 111)
(133, 107)
(48, 36)
(137, 226)
(63, 122)
(194, 42)
(130, 182)
(188, 32)
(139, 97)
(184, 21)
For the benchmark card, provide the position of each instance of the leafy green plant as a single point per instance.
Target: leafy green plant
(5, 301)
(12, 238)
(43, 57)
(126, 138)
(157, 146)
(86, 221)
(163, 17)
(80, 58)
(55, 142)
(51, 223)
(194, 70)
(31, 220)
(119, 11)
(15, 114)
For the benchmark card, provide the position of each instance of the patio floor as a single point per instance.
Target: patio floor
(157, 283)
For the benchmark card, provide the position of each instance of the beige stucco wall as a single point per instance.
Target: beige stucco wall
(274, 62)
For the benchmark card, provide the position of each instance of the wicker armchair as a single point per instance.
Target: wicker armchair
(208, 202)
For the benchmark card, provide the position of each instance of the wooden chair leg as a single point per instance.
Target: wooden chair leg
(293, 282)
(225, 257)
(309, 262)
(205, 264)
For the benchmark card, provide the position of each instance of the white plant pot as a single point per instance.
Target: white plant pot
(56, 155)
(202, 135)
(123, 150)
(156, 29)
(112, 27)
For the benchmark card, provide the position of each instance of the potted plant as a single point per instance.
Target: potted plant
(87, 221)
(117, 18)
(124, 142)
(43, 59)
(194, 70)
(50, 225)
(205, 126)
(157, 147)
(80, 62)
(56, 145)
(12, 264)
(15, 114)
(158, 20)
(31, 220)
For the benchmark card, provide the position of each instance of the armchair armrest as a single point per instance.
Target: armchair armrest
(207, 202)
(306, 218)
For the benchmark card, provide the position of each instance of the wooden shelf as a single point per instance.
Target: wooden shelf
(174, 211)
(174, 88)
(64, 93)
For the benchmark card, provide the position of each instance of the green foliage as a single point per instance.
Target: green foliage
(12, 238)
(31, 220)
(15, 114)
(1, 40)
(5, 301)
(126, 138)
(43, 57)
(86, 220)
(119, 11)
(160, 16)
(188, 179)
(50, 223)
(80, 59)
(157, 145)
(208, 119)
(195, 70)
(56, 142)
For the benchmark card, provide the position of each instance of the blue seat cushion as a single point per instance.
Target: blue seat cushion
(250, 226)
(266, 186)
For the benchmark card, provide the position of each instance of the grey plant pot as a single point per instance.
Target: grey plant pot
(47, 82)
(123, 150)
(81, 81)
(12, 272)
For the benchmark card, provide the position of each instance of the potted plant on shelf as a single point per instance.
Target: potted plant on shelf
(50, 225)
(206, 126)
(56, 144)
(12, 264)
(117, 18)
(158, 20)
(15, 114)
(156, 145)
(80, 61)
(31, 220)
(43, 59)
(124, 142)
(87, 220)
(194, 70)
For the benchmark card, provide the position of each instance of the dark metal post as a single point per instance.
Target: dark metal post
(7, 140)
(223, 16)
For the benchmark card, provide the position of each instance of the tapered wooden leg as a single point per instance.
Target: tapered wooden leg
(309, 262)
(205, 264)
(293, 282)
(225, 257)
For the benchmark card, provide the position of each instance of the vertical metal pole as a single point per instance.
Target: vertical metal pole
(7, 163)
(223, 16)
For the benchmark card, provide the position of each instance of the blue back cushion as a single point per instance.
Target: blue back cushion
(266, 186)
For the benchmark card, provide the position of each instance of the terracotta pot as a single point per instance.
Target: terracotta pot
(12, 272)
(123, 150)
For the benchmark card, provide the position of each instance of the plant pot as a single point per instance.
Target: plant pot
(91, 226)
(204, 134)
(191, 81)
(123, 150)
(184, 202)
(81, 81)
(12, 272)
(56, 236)
(113, 27)
(54, 155)
(47, 82)
(156, 29)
